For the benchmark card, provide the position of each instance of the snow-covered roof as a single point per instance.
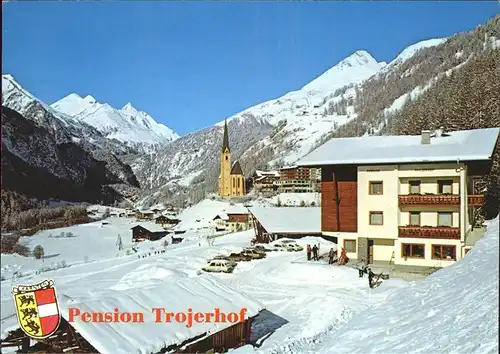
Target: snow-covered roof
(272, 173)
(288, 219)
(236, 209)
(146, 212)
(465, 145)
(288, 167)
(222, 216)
(149, 226)
(176, 294)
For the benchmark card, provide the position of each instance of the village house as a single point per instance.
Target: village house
(271, 223)
(409, 200)
(175, 295)
(148, 231)
(165, 220)
(231, 179)
(299, 179)
(220, 221)
(145, 215)
(266, 182)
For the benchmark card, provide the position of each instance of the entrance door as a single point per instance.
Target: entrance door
(370, 251)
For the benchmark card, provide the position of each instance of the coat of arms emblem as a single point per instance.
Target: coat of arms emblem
(37, 309)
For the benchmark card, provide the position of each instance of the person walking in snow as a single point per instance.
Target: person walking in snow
(330, 256)
(315, 252)
(370, 277)
(308, 252)
(362, 268)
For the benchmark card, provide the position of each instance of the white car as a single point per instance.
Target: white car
(219, 266)
(279, 247)
(293, 247)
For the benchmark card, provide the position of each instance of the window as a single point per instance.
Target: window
(376, 188)
(376, 218)
(412, 250)
(226, 157)
(350, 246)
(445, 187)
(414, 187)
(444, 252)
(445, 219)
(415, 218)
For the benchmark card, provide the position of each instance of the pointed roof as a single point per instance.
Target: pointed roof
(236, 170)
(225, 140)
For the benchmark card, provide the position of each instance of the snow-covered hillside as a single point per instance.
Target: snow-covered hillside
(454, 310)
(127, 125)
(301, 119)
(311, 307)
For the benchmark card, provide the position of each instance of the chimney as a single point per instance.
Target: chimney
(439, 132)
(426, 137)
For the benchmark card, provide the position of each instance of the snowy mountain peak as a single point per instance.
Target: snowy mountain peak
(127, 125)
(89, 99)
(130, 110)
(355, 68)
(358, 58)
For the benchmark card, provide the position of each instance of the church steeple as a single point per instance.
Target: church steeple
(225, 140)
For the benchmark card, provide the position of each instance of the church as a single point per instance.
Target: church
(231, 178)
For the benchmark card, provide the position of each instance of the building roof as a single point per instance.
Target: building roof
(236, 170)
(260, 173)
(222, 216)
(146, 212)
(176, 294)
(151, 227)
(225, 139)
(288, 167)
(465, 145)
(290, 220)
(236, 209)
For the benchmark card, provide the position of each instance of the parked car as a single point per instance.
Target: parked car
(261, 249)
(264, 248)
(253, 253)
(219, 266)
(237, 257)
(223, 258)
(279, 247)
(293, 247)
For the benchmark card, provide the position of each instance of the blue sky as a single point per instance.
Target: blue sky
(191, 64)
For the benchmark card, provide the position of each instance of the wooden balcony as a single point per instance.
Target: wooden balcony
(438, 232)
(429, 199)
(475, 200)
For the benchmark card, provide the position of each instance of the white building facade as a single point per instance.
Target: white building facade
(414, 205)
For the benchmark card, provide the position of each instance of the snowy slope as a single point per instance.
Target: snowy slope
(455, 310)
(127, 125)
(410, 51)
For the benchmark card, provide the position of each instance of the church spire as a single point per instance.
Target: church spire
(225, 140)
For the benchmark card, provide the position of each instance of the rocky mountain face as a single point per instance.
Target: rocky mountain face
(52, 150)
(35, 164)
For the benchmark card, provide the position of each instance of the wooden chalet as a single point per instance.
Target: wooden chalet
(271, 224)
(148, 232)
(149, 336)
(220, 220)
(145, 215)
(266, 182)
(166, 220)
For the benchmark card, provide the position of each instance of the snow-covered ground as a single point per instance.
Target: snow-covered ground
(311, 306)
(295, 199)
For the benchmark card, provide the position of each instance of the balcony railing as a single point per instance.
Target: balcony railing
(439, 232)
(429, 199)
(475, 200)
